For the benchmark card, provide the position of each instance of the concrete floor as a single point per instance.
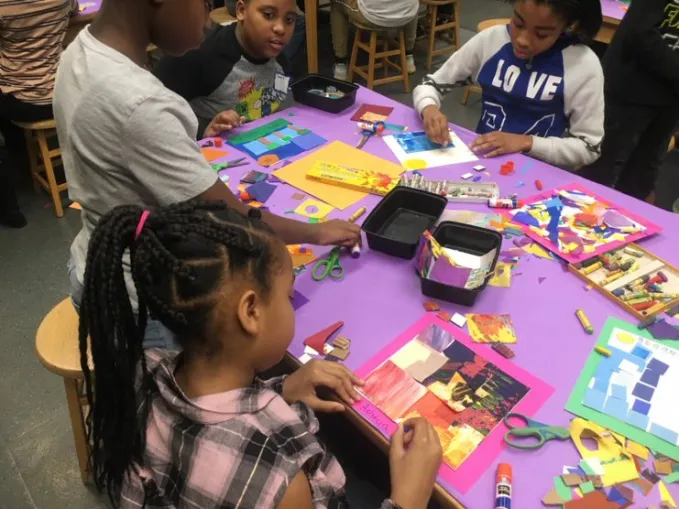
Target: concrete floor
(38, 467)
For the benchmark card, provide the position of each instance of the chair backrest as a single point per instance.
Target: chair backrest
(56, 342)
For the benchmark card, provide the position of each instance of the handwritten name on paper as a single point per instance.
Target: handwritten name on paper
(375, 417)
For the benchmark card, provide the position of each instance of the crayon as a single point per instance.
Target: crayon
(356, 215)
(610, 279)
(592, 268)
(632, 296)
(603, 351)
(538, 184)
(632, 252)
(503, 486)
(644, 305)
(640, 300)
(584, 321)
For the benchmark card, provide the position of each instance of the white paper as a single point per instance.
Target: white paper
(305, 358)
(310, 351)
(459, 319)
(456, 153)
(328, 349)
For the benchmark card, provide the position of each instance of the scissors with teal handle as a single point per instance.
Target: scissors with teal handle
(229, 164)
(518, 433)
(329, 266)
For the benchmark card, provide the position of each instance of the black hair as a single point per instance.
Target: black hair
(179, 263)
(583, 15)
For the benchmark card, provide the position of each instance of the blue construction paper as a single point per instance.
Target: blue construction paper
(637, 420)
(308, 141)
(643, 392)
(255, 148)
(287, 150)
(287, 132)
(651, 377)
(298, 300)
(663, 432)
(594, 399)
(261, 191)
(657, 366)
(640, 351)
(641, 406)
(663, 330)
(618, 391)
(553, 225)
(616, 407)
(525, 218)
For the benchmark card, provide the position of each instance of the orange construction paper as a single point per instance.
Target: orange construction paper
(337, 152)
(212, 153)
(300, 259)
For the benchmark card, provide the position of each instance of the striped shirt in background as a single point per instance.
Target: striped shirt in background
(240, 448)
(31, 38)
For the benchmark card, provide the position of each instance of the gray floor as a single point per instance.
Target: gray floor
(38, 466)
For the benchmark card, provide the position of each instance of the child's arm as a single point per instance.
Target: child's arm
(644, 41)
(584, 107)
(298, 494)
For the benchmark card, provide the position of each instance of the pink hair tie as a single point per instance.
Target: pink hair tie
(140, 225)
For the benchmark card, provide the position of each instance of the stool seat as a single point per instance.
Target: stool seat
(221, 15)
(56, 342)
(489, 23)
(36, 126)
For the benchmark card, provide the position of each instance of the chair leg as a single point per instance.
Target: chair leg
(354, 54)
(465, 97)
(75, 411)
(404, 64)
(371, 59)
(433, 12)
(49, 172)
(385, 64)
(457, 24)
(31, 146)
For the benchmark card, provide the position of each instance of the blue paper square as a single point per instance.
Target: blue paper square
(594, 399)
(640, 351)
(658, 366)
(618, 391)
(261, 191)
(256, 147)
(616, 407)
(287, 150)
(641, 406)
(643, 392)
(291, 133)
(309, 141)
(637, 419)
(273, 138)
(651, 378)
(662, 432)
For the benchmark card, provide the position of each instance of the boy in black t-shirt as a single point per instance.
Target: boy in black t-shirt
(641, 69)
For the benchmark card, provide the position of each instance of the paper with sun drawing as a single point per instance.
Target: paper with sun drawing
(415, 152)
(491, 328)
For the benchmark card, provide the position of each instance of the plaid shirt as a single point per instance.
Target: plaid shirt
(237, 449)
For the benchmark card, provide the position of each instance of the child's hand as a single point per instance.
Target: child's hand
(338, 233)
(224, 121)
(301, 385)
(414, 460)
(436, 125)
(498, 143)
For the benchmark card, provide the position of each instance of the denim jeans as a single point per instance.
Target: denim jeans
(156, 335)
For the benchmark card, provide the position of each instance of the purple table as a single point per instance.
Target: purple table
(380, 295)
(613, 12)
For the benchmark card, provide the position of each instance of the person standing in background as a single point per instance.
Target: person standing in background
(641, 69)
(31, 41)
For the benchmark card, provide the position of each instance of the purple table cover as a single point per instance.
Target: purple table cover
(613, 9)
(90, 6)
(380, 297)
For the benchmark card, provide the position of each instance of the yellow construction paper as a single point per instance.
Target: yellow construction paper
(615, 459)
(341, 153)
(323, 209)
(665, 495)
(502, 276)
(537, 250)
(637, 449)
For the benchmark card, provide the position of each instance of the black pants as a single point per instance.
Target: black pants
(634, 145)
(15, 156)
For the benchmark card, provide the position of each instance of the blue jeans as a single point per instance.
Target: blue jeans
(156, 336)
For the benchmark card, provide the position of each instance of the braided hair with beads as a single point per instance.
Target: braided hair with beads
(178, 263)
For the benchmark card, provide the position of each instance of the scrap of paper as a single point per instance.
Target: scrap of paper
(211, 154)
(298, 300)
(491, 328)
(537, 250)
(313, 209)
(665, 496)
(371, 113)
(637, 449)
(75, 206)
(502, 276)
(663, 330)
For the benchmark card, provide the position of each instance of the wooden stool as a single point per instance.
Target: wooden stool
(380, 59)
(57, 347)
(40, 158)
(480, 28)
(220, 15)
(446, 28)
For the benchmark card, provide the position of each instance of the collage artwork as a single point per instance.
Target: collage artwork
(436, 377)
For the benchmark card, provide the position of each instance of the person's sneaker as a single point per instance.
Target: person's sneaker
(13, 219)
(341, 72)
(410, 64)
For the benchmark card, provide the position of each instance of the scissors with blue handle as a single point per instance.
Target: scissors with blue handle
(330, 266)
(518, 433)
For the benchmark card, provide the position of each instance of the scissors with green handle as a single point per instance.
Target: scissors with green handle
(329, 266)
(519, 433)
(230, 164)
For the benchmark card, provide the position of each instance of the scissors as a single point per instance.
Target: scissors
(229, 164)
(529, 428)
(330, 266)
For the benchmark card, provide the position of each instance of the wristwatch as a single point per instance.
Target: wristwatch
(390, 504)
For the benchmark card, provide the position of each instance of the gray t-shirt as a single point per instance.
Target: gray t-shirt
(389, 13)
(125, 139)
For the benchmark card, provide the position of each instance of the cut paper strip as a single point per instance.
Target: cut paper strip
(562, 490)
(298, 300)
(672, 478)
(665, 495)
(212, 154)
(538, 251)
(593, 500)
(295, 173)
(637, 449)
(313, 209)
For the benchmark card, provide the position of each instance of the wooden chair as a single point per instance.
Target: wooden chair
(221, 15)
(42, 159)
(434, 29)
(381, 59)
(56, 344)
(480, 28)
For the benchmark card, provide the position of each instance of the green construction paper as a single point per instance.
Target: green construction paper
(575, 406)
(259, 132)
(584, 465)
(562, 489)
(671, 478)
(586, 487)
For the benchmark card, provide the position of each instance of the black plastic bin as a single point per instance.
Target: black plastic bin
(397, 222)
(468, 238)
(301, 87)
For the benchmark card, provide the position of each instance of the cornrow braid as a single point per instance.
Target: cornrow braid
(178, 262)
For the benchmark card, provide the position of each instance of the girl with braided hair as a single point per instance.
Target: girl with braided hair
(543, 88)
(199, 428)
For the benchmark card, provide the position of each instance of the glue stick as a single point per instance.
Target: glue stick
(503, 487)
